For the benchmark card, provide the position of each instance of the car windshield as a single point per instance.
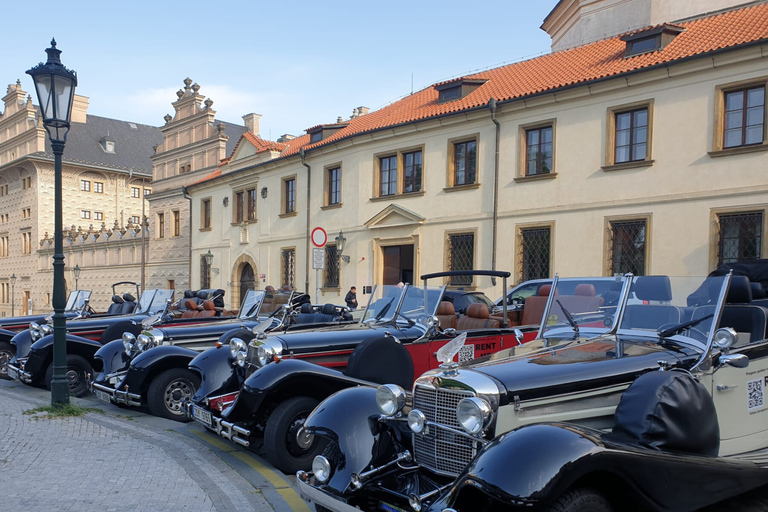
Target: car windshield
(153, 301)
(578, 305)
(251, 304)
(408, 304)
(77, 299)
(670, 306)
(273, 300)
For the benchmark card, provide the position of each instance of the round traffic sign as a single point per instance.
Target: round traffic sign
(319, 237)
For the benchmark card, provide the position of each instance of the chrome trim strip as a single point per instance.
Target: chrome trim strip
(309, 493)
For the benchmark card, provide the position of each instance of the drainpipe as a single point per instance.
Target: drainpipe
(189, 198)
(492, 108)
(303, 155)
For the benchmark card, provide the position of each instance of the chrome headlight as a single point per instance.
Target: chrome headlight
(321, 468)
(129, 341)
(143, 342)
(46, 329)
(417, 422)
(725, 337)
(390, 398)
(473, 414)
(239, 350)
(34, 330)
(267, 351)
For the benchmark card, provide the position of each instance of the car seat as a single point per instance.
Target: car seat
(117, 303)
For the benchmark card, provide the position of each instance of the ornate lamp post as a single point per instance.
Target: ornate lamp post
(341, 241)
(55, 86)
(76, 271)
(13, 293)
(208, 262)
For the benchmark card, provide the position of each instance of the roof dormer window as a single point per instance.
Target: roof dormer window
(107, 145)
(457, 89)
(650, 40)
(323, 131)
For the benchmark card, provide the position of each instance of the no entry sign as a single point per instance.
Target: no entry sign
(319, 237)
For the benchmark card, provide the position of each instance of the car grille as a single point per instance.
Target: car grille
(441, 450)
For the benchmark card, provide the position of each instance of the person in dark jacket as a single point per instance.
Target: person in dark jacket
(351, 298)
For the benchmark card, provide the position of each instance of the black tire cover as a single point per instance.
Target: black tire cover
(383, 361)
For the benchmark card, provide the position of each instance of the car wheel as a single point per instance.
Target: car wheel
(6, 354)
(77, 372)
(287, 446)
(169, 390)
(581, 500)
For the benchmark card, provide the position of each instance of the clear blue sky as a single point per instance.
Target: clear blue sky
(298, 63)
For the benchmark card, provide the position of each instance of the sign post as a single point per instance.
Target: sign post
(319, 239)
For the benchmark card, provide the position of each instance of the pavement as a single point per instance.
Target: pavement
(124, 459)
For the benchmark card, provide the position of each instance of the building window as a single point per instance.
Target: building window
(740, 237)
(289, 195)
(205, 274)
(464, 163)
(288, 276)
(239, 207)
(461, 256)
(251, 212)
(412, 172)
(85, 185)
(331, 272)
(534, 254)
(134, 219)
(98, 187)
(4, 246)
(85, 214)
(176, 226)
(98, 215)
(333, 189)
(627, 247)
(26, 243)
(161, 225)
(26, 213)
(205, 214)
(135, 192)
(26, 183)
(388, 175)
(171, 284)
(744, 117)
(631, 136)
(538, 151)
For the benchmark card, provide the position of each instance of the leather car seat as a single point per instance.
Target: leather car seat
(129, 304)
(191, 309)
(477, 317)
(534, 306)
(117, 304)
(446, 314)
(209, 309)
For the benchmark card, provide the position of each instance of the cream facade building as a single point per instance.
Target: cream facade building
(106, 173)
(643, 152)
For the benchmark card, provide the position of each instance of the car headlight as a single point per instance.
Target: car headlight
(143, 342)
(266, 352)
(129, 341)
(417, 421)
(239, 350)
(725, 337)
(34, 329)
(46, 329)
(321, 468)
(390, 398)
(473, 414)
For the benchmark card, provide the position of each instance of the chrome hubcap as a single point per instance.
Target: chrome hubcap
(176, 393)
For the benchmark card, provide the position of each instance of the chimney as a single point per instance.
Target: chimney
(252, 123)
(359, 111)
(286, 137)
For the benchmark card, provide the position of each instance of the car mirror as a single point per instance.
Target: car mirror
(519, 336)
(450, 331)
(735, 360)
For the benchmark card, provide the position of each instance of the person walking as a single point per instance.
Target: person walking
(351, 298)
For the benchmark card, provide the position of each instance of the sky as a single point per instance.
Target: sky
(298, 64)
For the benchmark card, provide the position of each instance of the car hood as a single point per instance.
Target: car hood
(576, 365)
(341, 336)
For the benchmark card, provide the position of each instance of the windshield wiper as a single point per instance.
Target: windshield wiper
(383, 310)
(569, 317)
(675, 329)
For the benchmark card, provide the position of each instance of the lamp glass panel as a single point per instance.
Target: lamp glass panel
(63, 90)
(43, 85)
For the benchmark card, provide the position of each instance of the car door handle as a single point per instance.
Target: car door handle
(726, 387)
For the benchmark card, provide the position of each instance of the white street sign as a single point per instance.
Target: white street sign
(318, 258)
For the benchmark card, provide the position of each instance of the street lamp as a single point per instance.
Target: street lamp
(76, 271)
(13, 292)
(208, 262)
(341, 241)
(55, 86)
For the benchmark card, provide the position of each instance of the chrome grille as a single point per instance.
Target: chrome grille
(440, 449)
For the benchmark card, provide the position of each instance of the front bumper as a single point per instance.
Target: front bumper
(107, 393)
(16, 371)
(224, 428)
(320, 497)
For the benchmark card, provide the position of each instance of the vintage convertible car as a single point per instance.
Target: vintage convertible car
(245, 396)
(77, 301)
(657, 405)
(34, 347)
(159, 377)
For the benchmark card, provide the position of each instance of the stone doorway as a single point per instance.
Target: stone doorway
(398, 264)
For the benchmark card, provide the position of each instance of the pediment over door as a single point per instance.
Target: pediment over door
(394, 216)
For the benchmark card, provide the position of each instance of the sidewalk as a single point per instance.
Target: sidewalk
(125, 460)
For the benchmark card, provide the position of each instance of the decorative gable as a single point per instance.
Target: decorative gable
(394, 216)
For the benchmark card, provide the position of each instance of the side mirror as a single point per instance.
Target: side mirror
(735, 360)
(450, 331)
(519, 336)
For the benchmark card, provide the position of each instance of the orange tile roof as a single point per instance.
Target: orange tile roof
(213, 175)
(580, 65)
(263, 145)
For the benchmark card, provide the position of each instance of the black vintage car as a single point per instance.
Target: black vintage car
(265, 388)
(77, 302)
(32, 363)
(655, 405)
(159, 377)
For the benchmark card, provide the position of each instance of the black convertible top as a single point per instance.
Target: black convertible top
(755, 270)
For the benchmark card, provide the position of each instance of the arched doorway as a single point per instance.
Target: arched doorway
(247, 280)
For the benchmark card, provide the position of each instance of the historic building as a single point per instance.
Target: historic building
(643, 152)
(106, 174)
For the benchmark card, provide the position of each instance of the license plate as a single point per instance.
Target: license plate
(202, 416)
(104, 397)
(12, 373)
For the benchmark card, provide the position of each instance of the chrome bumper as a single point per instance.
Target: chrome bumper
(320, 497)
(18, 373)
(222, 427)
(115, 395)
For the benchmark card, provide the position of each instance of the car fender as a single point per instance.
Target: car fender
(348, 419)
(217, 375)
(41, 353)
(146, 365)
(23, 341)
(110, 358)
(6, 335)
